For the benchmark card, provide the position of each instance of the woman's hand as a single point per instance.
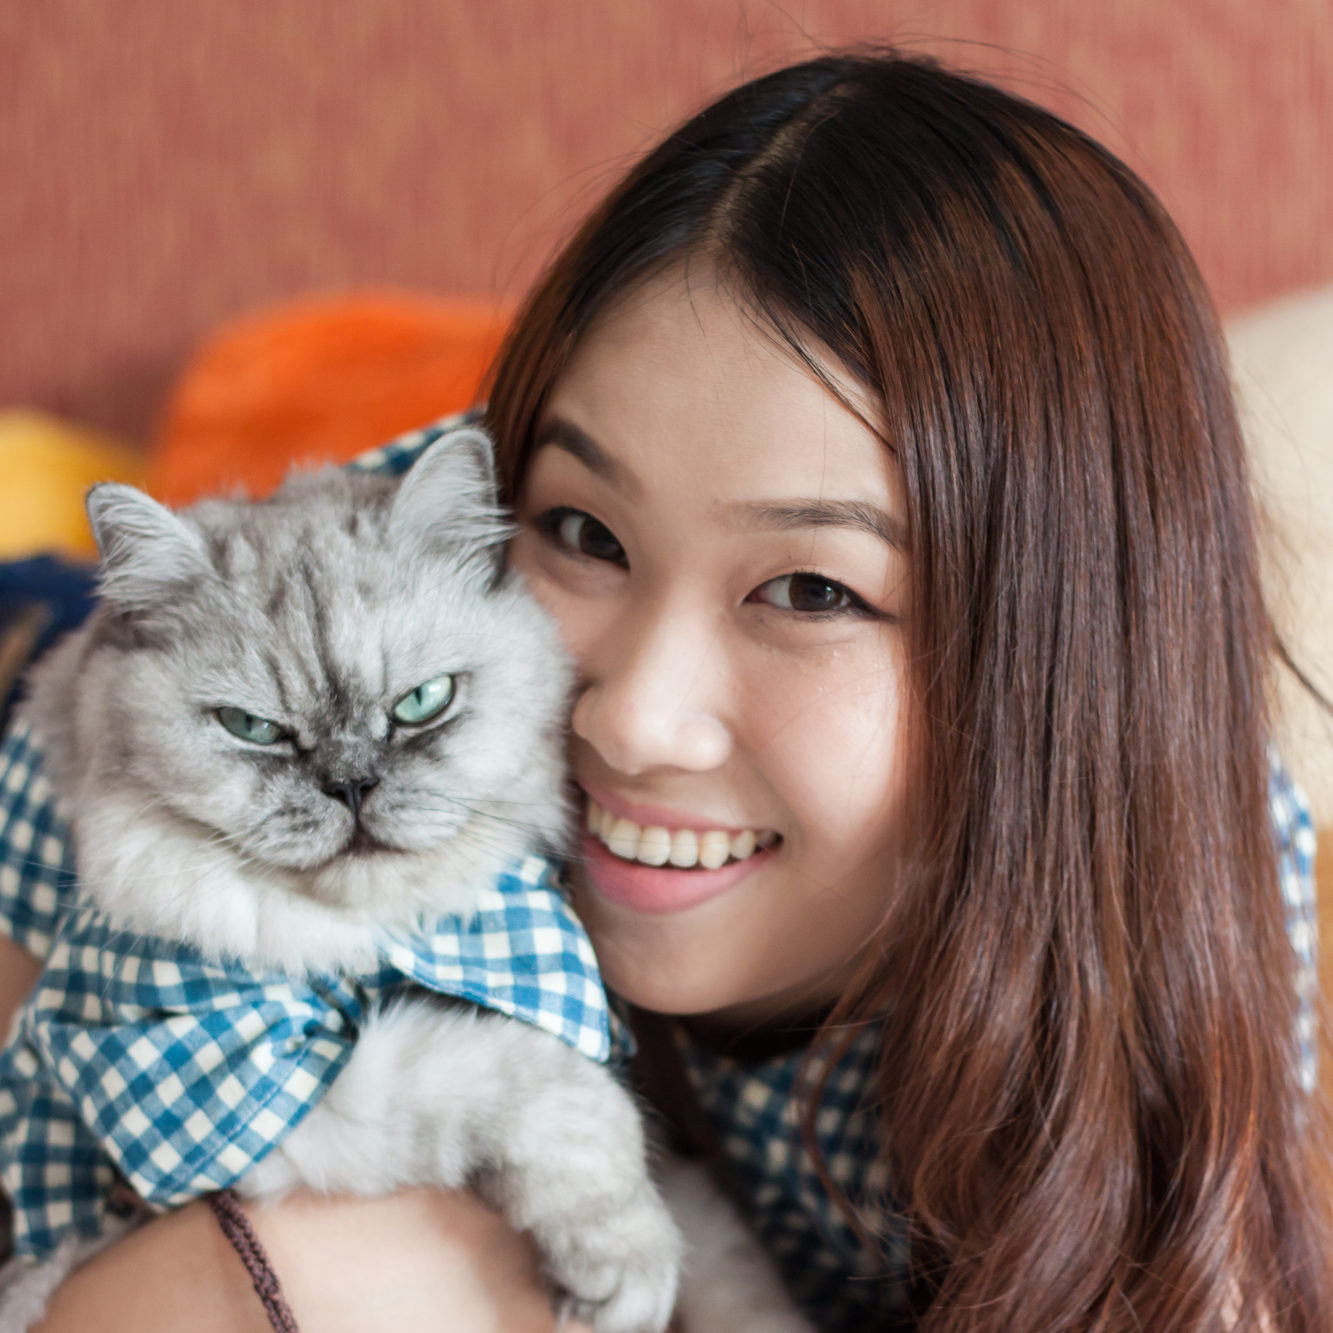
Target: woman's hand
(418, 1259)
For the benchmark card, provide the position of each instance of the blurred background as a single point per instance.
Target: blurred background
(170, 163)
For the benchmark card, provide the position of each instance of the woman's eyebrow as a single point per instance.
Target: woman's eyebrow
(787, 515)
(578, 443)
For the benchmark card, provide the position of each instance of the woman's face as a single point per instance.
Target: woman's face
(721, 542)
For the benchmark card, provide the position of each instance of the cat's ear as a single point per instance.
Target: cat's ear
(447, 499)
(146, 549)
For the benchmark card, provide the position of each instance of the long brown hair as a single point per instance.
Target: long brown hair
(1090, 1097)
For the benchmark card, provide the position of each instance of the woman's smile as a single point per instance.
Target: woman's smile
(655, 860)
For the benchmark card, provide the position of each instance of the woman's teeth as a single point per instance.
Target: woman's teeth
(683, 848)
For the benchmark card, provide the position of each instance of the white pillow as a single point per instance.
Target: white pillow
(1282, 358)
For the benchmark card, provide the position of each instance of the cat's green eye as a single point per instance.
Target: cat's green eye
(425, 703)
(248, 727)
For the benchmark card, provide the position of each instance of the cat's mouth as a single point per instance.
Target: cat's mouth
(360, 844)
(364, 843)
(361, 850)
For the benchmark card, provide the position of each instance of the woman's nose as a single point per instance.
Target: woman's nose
(651, 697)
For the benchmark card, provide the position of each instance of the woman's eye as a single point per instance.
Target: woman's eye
(247, 727)
(807, 594)
(581, 533)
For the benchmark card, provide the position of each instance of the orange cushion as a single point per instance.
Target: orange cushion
(318, 379)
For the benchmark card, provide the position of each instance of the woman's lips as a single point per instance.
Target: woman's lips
(657, 890)
(642, 814)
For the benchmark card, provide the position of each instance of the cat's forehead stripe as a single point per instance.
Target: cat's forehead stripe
(327, 680)
(317, 607)
(331, 641)
(320, 603)
(275, 674)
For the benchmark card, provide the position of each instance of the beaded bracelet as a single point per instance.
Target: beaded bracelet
(241, 1235)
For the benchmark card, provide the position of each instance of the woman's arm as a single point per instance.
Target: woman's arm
(345, 1264)
(417, 1259)
(18, 971)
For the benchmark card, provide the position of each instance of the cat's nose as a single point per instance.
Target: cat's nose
(350, 791)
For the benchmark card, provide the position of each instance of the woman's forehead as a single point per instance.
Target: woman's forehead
(680, 376)
(694, 302)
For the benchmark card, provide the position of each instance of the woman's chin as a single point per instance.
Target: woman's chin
(664, 964)
(695, 943)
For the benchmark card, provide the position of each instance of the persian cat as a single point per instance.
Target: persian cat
(291, 725)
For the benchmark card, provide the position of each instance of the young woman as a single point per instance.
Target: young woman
(874, 448)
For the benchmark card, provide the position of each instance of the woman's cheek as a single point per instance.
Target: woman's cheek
(569, 610)
(585, 624)
(837, 751)
(584, 597)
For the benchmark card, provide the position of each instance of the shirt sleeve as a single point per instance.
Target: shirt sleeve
(394, 458)
(36, 853)
(1294, 837)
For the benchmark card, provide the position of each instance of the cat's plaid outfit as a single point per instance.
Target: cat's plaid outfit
(755, 1107)
(137, 1059)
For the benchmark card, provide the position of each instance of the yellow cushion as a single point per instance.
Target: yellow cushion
(46, 466)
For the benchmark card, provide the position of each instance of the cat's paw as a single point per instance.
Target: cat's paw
(728, 1281)
(618, 1274)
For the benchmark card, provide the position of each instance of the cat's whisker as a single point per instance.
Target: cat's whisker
(414, 796)
(487, 810)
(487, 840)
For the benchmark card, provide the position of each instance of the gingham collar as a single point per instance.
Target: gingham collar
(139, 1059)
(845, 1277)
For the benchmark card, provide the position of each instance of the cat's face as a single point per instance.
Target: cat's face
(337, 682)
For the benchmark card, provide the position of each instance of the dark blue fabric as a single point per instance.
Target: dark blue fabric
(63, 592)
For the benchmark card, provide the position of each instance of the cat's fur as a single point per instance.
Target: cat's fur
(318, 607)
(321, 607)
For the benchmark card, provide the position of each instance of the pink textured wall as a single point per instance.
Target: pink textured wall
(168, 164)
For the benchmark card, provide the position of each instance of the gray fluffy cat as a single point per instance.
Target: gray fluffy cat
(290, 725)
(417, 748)
(293, 723)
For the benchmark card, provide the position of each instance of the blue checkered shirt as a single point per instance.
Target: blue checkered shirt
(756, 1108)
(137, 1059)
